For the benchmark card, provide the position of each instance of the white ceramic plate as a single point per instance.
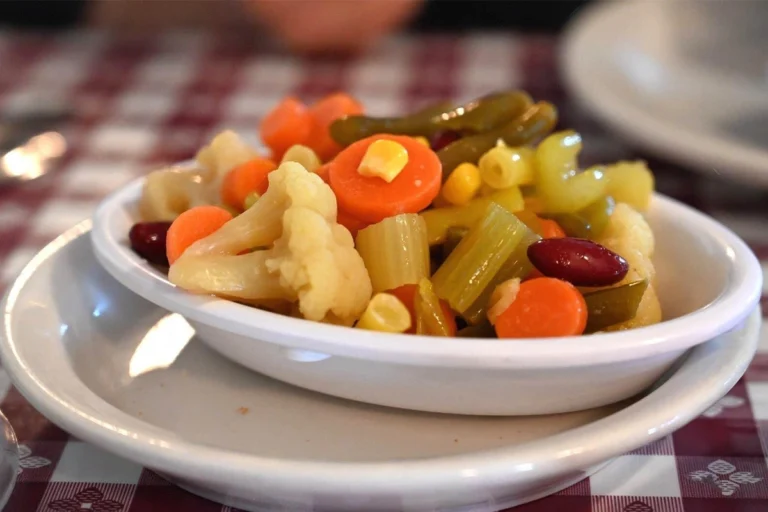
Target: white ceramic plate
(121, 373)
(666, 76)
(461, 375)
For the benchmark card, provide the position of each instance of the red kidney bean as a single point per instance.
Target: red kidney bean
(148, 241)
(441, 139)
(580, 262)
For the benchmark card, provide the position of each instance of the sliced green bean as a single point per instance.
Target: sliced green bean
(613, 305)
(589, 222)
(477, 116)
(537, 121)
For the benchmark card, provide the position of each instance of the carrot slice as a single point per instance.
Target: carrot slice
(407, 295)
(244, 179)
(287, 124)
(191, 226)
(324, 172)
(544, 307)
(373, 199)
(551, 229)
(352, 223)
(325, 112)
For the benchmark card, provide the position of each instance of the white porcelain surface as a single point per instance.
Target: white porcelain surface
(467, 376)
(684, 79)
(119, 372)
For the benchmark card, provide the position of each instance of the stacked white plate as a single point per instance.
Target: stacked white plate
(123, 373)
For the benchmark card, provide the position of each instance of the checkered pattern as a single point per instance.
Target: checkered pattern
(140, 103)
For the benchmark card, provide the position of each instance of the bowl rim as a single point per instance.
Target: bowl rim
(733, 304)
(670, 406)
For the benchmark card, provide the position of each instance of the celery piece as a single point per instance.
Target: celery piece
(485, 249)
(452, 238)
(517, 265)
(440, 219)
(612, 306)
(430, 317)
(395, 251)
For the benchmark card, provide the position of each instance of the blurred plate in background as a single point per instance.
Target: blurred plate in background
(684, 80)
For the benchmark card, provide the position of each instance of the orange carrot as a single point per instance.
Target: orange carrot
(353, 224)
(551, 229)
(407, 295)
(324, 172)
(325, 112)
(191, 226)
(244, 179)
(544, 307)
(287, 124)
(371, 198)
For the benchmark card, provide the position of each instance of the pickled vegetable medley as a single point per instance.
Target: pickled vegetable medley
(469, 220)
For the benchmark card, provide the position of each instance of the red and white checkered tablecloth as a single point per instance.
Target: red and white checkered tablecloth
(138, 103)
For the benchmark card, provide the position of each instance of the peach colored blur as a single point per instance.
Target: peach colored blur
(304, 26)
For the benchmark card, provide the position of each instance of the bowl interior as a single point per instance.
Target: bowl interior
(692, 268)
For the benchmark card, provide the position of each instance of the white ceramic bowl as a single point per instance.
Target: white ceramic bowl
(119, 372)
(708, 281)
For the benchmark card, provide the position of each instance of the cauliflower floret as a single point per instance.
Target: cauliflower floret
(169, 192)
(317, 260)
(226, 151)
(627, 224)
(629, 235)
(312, 259)
(290, 185)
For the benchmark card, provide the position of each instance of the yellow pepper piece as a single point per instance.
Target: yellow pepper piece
(504, 167)
(422, 140)
(384, 159)
(462, 185)
(631, 183)
(385, 313)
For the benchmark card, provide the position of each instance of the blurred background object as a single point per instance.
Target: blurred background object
(304, 25)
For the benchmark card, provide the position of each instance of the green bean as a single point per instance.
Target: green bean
(537, 121)
(395, 251)
(466, 273)
(481, 330)
(589, 222)
(612, 306)
(477, 116)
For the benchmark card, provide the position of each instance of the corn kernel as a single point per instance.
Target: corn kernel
(384, 159)
(462, 185)
(250, 200)
(385, 313)
(423, 141)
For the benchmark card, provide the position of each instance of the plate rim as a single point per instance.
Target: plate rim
(573, 449)
(695, 150)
